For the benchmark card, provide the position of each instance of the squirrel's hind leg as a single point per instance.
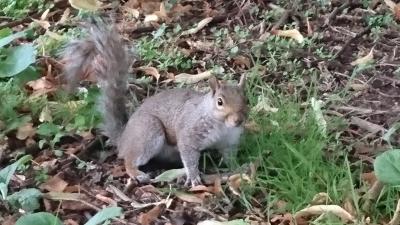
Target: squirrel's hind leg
(142, 139)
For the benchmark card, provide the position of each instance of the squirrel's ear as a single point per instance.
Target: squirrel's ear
(242, 81)
(214, 84)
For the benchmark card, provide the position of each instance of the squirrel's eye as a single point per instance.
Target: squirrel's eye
(219, 101)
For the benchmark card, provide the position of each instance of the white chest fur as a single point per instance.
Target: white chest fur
(223, 136)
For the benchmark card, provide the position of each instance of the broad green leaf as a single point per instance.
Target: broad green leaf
(104, 214)
(170, 175)
(387, 136)
(27, 75)
(17, 59)
(5, 32)
(40, 218)
(6, 173)
(48, 129)
(387, 167)
(26, 199)
(6, 40)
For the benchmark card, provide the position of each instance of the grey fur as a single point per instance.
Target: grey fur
(173, 124)
(102, 53)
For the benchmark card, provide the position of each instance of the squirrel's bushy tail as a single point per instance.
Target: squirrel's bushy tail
(103, 55)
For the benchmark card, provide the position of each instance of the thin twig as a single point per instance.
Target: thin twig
(335, 12)
(348, 43)
(282, 20)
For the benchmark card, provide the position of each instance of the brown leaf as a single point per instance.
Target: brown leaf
(369, 178)
(64, 16)
(70, 222)
(364, 60)
(44, 24)
(26, 131)
(201, 45)
(191, 79)
(359, 87)
(90, 5)
(199, 26)
(200, 188)
(188, 197)
(107, 200)
(152, 215)
(151, 18)
(319, 209)
(293, 33)
(55, 184)
(149, 70)
(41, 86)
(235, 181)
(179, 10)
(242, 61)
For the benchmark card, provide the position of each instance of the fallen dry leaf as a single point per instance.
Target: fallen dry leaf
(44, 14)
(263, 106)
(150, 216)
(149, 70)
(349, 207)
(188, 197)
(54, 184)
(320, 209)
(64, 16)
(134, 12)
(43, 23)
(364, 60)
(359, 87)
(235, 181)
(70, 222)
(151, 18)
(293, 33)
(201, 45)
(26, 131)
(45, 115)
(199, 26)
(242, 61)
(107, 200)
(390, 4)
(179, 10)
(369, 178)
(41, 86)
(191, 79)
(320, 198)
(89, 5)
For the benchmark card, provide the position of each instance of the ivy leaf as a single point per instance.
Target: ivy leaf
(40, 218)
(17, 59)
(26, 199)
(8, 39)
(387, 167)
(104, 214)
(6, 173)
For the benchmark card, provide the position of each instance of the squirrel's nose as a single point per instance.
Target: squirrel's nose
(239, 121)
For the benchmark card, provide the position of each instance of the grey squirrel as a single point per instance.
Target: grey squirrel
(173, 124)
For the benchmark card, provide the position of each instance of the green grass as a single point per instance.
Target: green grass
(290, 148)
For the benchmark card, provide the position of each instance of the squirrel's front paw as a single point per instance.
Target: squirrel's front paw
(195, 181)
(143, 178)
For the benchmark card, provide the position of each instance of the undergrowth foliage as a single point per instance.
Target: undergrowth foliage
(307, 96)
